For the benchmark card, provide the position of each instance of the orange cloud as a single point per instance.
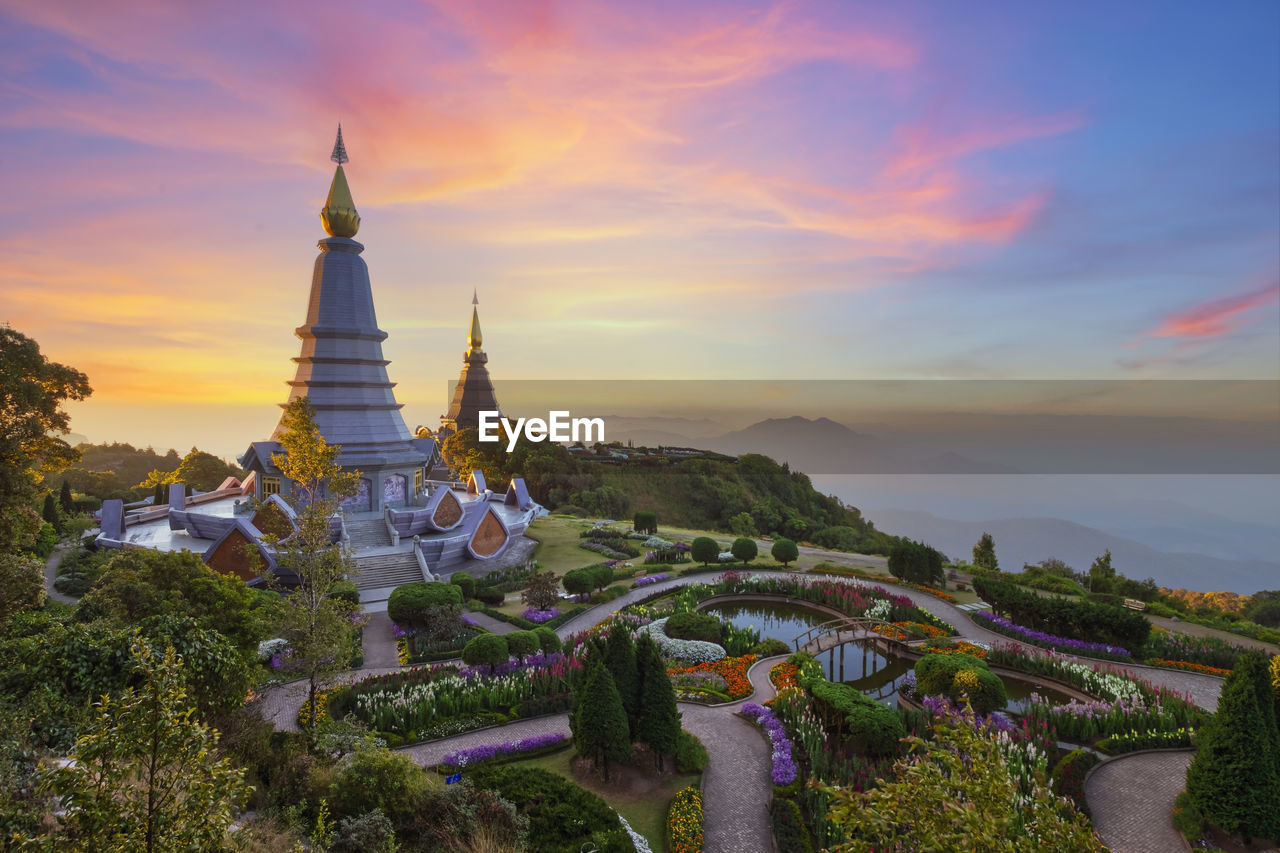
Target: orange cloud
(1216, 317)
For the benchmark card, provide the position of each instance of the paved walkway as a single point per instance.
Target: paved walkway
(379, 643)
(1131, 799)
(493, 626)
(51, 572)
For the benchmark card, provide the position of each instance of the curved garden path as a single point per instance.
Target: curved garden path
(1131, 799)
(736, 784)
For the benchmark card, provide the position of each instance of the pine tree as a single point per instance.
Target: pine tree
(659, 722)
(50, 511)
(64, 499)
(599, 722)
(620, 659)
(1234, 779)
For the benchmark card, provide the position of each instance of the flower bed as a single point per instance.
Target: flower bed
(1188, 666)
(783, 676)
(322, 709)
(690, 651)
(538, 617)
(1133, 740)
(857, 573)
(732, 670)
(1211, 652)
(650, 579)
(409, 703)
(684, 822)
(959, 647)
(784, 766)
(1001, 625)
(474, 755)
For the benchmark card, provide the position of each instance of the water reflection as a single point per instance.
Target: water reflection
(859, 666)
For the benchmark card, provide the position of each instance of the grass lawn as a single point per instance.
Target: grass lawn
(646, 812)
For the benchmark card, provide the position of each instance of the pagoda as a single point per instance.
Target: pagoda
(341, 370)
(474, 392)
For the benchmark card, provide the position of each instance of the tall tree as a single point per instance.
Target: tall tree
(32, 391)
(659, 719)
(67, 505)
(49, 512)
(145, 776)
(620, 660)
(1102, 575)
(320, 627)
(984, 553)
(1234, 779)
(599, 722)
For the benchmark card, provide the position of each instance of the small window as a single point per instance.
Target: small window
(418, 480)
(270, 486)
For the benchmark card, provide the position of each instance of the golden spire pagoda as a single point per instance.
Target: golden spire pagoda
(339, 214)
(475, 339)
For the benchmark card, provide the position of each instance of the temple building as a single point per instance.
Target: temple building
(342, 372)
(474, 392)
(402, 525)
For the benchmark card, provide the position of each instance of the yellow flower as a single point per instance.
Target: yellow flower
(968, 681)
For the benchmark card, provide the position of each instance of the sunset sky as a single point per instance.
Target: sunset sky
(644, 190)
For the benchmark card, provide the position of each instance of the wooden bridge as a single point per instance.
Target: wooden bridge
(847, 629)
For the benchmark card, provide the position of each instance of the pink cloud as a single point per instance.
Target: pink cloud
(1216, 317)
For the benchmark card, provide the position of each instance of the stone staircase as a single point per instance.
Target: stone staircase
(368, 533)
(387, 570)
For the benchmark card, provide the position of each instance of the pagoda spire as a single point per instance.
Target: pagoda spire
(339, 215)
(475, 340)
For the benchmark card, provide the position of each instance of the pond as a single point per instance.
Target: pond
(859, 666)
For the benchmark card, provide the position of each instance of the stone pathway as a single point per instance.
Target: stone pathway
(380, 649)
(493, 626)
(51, 573)
(1131, 799)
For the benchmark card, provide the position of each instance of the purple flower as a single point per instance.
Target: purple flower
(648, 579)
(784, 767)
(540, 616)
(1063, 644)
(488, 751)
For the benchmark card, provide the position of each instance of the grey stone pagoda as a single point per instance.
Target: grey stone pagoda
(474, 392)
(341, 370)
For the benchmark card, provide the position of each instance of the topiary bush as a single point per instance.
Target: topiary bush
(464, 582)
(694, 626)
(427, 608)
(522, 644)
(771, 646)
(784, 551)
(486, 650)
(704, 550)
(956, 676)
(548, 640)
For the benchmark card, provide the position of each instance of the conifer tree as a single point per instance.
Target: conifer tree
(50, 511)
(1234, 779)
(984, 553)
(64, 499)
(659, 722)
(599, 722)
(620, 659)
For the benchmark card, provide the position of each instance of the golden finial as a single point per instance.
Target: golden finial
(474, 340)
(339, 215)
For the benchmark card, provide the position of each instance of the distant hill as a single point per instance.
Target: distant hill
(820, 445)
(1030, 540)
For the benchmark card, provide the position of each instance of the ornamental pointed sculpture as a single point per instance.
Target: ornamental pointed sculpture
(339, 154)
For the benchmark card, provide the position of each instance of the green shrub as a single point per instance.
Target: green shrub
(562, 815)
(784, 551)
(873, 728)
(378, 779)
(694, 626)
(370, 832)
(937, 675)
(522, 644)
(704, 550)
(1080, 620)
(548, 640)
(71, 583)
(745, 549)
(464, 582)
(1068, 775)
(430, 608)
(345, 591)
(771, 646)
(788, 826)
(691, 755)
(486, 650)
(489, 595)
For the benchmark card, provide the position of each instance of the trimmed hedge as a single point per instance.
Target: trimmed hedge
(1080, 620)
(418, 605)
(693, 626)
(874, 728)
(562, 815)
(788, 827)
(941, 675)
